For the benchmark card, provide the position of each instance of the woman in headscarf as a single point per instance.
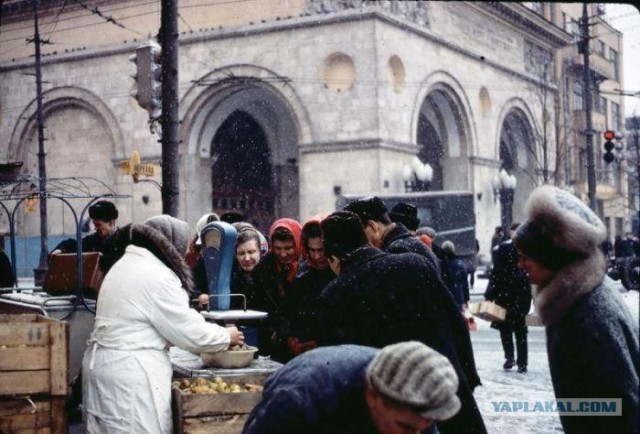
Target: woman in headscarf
(143, 308)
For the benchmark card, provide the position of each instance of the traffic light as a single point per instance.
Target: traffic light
(148, 74)
(608, 146)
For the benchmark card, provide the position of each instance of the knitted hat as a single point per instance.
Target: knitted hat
(176, 231)
(202, 222)
(412, 374)
(406, 214)
(103, 210)
(367, 208)
(559, 229)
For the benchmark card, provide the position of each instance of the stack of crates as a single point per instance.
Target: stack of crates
(34, 374)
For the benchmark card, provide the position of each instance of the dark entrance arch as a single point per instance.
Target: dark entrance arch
(431, 151)
(241, 172)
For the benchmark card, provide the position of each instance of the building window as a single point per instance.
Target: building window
(600, 48)
(613, 58)
(615, 116)
(537, 7)
(565, 21)
(578, 96)
(574, 29)
(601, 106)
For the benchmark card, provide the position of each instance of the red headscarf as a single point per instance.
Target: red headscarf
(296, 230)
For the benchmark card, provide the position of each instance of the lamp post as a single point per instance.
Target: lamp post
(417, 176)
(504, 185)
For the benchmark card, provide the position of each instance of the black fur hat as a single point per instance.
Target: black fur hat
(103, 210)
(406, 214)
(368, 208)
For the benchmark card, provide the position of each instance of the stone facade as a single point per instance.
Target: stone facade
(340, 89)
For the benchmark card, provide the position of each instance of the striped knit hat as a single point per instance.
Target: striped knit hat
(414, 375)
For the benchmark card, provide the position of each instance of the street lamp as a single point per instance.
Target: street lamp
(504, 185)
(417, 176)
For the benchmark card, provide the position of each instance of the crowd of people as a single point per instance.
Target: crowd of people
(342, 290)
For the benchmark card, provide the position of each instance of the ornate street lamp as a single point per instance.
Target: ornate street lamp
(417, 176)
(504, 185)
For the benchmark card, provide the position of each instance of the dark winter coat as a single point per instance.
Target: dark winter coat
(302, 301)
(318, 392)
(380, 298)
(509, 287)
(109, 247)
(592, 344)
(6, 271)
(399, 240)
(454, 275)
(268, 293)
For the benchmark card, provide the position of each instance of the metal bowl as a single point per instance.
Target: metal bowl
(229, 359)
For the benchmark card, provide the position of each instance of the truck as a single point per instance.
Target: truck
(450, 213)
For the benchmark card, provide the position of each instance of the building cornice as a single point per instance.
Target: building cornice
(528, 20)
(345, 16)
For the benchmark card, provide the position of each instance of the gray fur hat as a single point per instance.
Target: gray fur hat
(414, 375)
(559, 229)
(176, 231)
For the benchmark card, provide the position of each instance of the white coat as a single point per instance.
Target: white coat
(142, 310)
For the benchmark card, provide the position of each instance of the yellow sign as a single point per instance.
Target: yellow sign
(135, 167)
(31, 203)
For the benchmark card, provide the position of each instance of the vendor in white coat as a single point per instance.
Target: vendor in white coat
(143, 308)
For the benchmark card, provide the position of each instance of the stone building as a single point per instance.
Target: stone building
(284, 103)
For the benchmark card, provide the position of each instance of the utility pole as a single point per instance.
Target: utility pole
(168, 38)
(40, 272)
(586, 78)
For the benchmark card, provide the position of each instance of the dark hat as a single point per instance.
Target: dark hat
(342, 233)
(367, 208)
(103, 210)
(414, 375)
(406, 214)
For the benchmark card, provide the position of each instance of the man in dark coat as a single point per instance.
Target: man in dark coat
(509, 287)
(103, 215)
(386, 235)
(353, 389)
(380, 298)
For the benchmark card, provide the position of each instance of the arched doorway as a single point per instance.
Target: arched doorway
(241, 152)
(442, 137)
(241, 173)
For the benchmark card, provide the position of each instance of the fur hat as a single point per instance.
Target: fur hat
(406, 214)
(414, 375)
(103, 210)
(202, 222)
(367, 208)
(559, 228)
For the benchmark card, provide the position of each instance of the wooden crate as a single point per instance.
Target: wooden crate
(33, 415)
(222, 413)
(34, 355)
(488, 311)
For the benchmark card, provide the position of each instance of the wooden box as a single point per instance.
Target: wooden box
(34, 356)
(533, 321)
(488, 310)
(33, 415)
(221, 413)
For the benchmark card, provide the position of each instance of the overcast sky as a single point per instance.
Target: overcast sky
(626, 19)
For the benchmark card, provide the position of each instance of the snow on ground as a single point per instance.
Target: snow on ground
(501, 385)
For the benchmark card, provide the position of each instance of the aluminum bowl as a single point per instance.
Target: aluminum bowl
(229, 359)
